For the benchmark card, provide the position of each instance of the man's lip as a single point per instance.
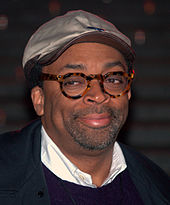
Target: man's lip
(96, 120)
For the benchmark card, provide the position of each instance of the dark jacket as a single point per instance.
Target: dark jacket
(22, 179)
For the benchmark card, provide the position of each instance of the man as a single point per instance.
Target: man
(80, 68)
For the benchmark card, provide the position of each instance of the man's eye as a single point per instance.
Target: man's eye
(114, 80)
(72, 83)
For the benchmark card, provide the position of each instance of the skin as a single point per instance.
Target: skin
(84, 129)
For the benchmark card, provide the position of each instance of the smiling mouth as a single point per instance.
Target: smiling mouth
(96, 120)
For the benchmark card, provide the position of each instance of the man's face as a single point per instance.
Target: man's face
(93, 121)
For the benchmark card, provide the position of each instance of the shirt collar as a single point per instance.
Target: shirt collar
(61, 166)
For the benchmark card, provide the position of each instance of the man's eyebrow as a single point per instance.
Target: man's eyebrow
(82, 67)
(73, 66)
(113, 64)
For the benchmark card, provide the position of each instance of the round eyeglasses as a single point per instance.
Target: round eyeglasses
(76, 85)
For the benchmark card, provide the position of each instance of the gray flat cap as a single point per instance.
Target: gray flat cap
(55, 36)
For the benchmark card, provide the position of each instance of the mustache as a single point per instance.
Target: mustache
(113, 112)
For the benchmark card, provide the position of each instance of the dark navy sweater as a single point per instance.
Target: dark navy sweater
(120, 191)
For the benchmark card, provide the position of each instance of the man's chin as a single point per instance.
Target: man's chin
(94, 138)
(95, 146)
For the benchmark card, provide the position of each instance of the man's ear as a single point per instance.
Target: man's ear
(129, 94)
(37, 97)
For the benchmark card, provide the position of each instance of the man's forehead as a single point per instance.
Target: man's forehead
(80, 55)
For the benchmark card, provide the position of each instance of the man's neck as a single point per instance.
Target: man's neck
(81, 166)
(97, 165)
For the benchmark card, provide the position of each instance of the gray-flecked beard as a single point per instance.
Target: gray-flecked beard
(95, 138)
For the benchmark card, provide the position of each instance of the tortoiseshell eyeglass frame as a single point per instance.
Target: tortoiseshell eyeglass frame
(99, 77)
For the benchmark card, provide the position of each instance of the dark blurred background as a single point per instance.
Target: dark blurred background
(145, 22)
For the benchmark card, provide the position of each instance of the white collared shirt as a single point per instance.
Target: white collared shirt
(62, 167)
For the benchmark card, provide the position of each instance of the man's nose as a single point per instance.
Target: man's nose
(95, 94)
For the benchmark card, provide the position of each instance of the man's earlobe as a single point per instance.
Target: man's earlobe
(37, 97)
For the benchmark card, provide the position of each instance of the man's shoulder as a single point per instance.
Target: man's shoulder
(140, 162)
(19, 154)
(15, 145)
(145, 172)
(10, 137)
